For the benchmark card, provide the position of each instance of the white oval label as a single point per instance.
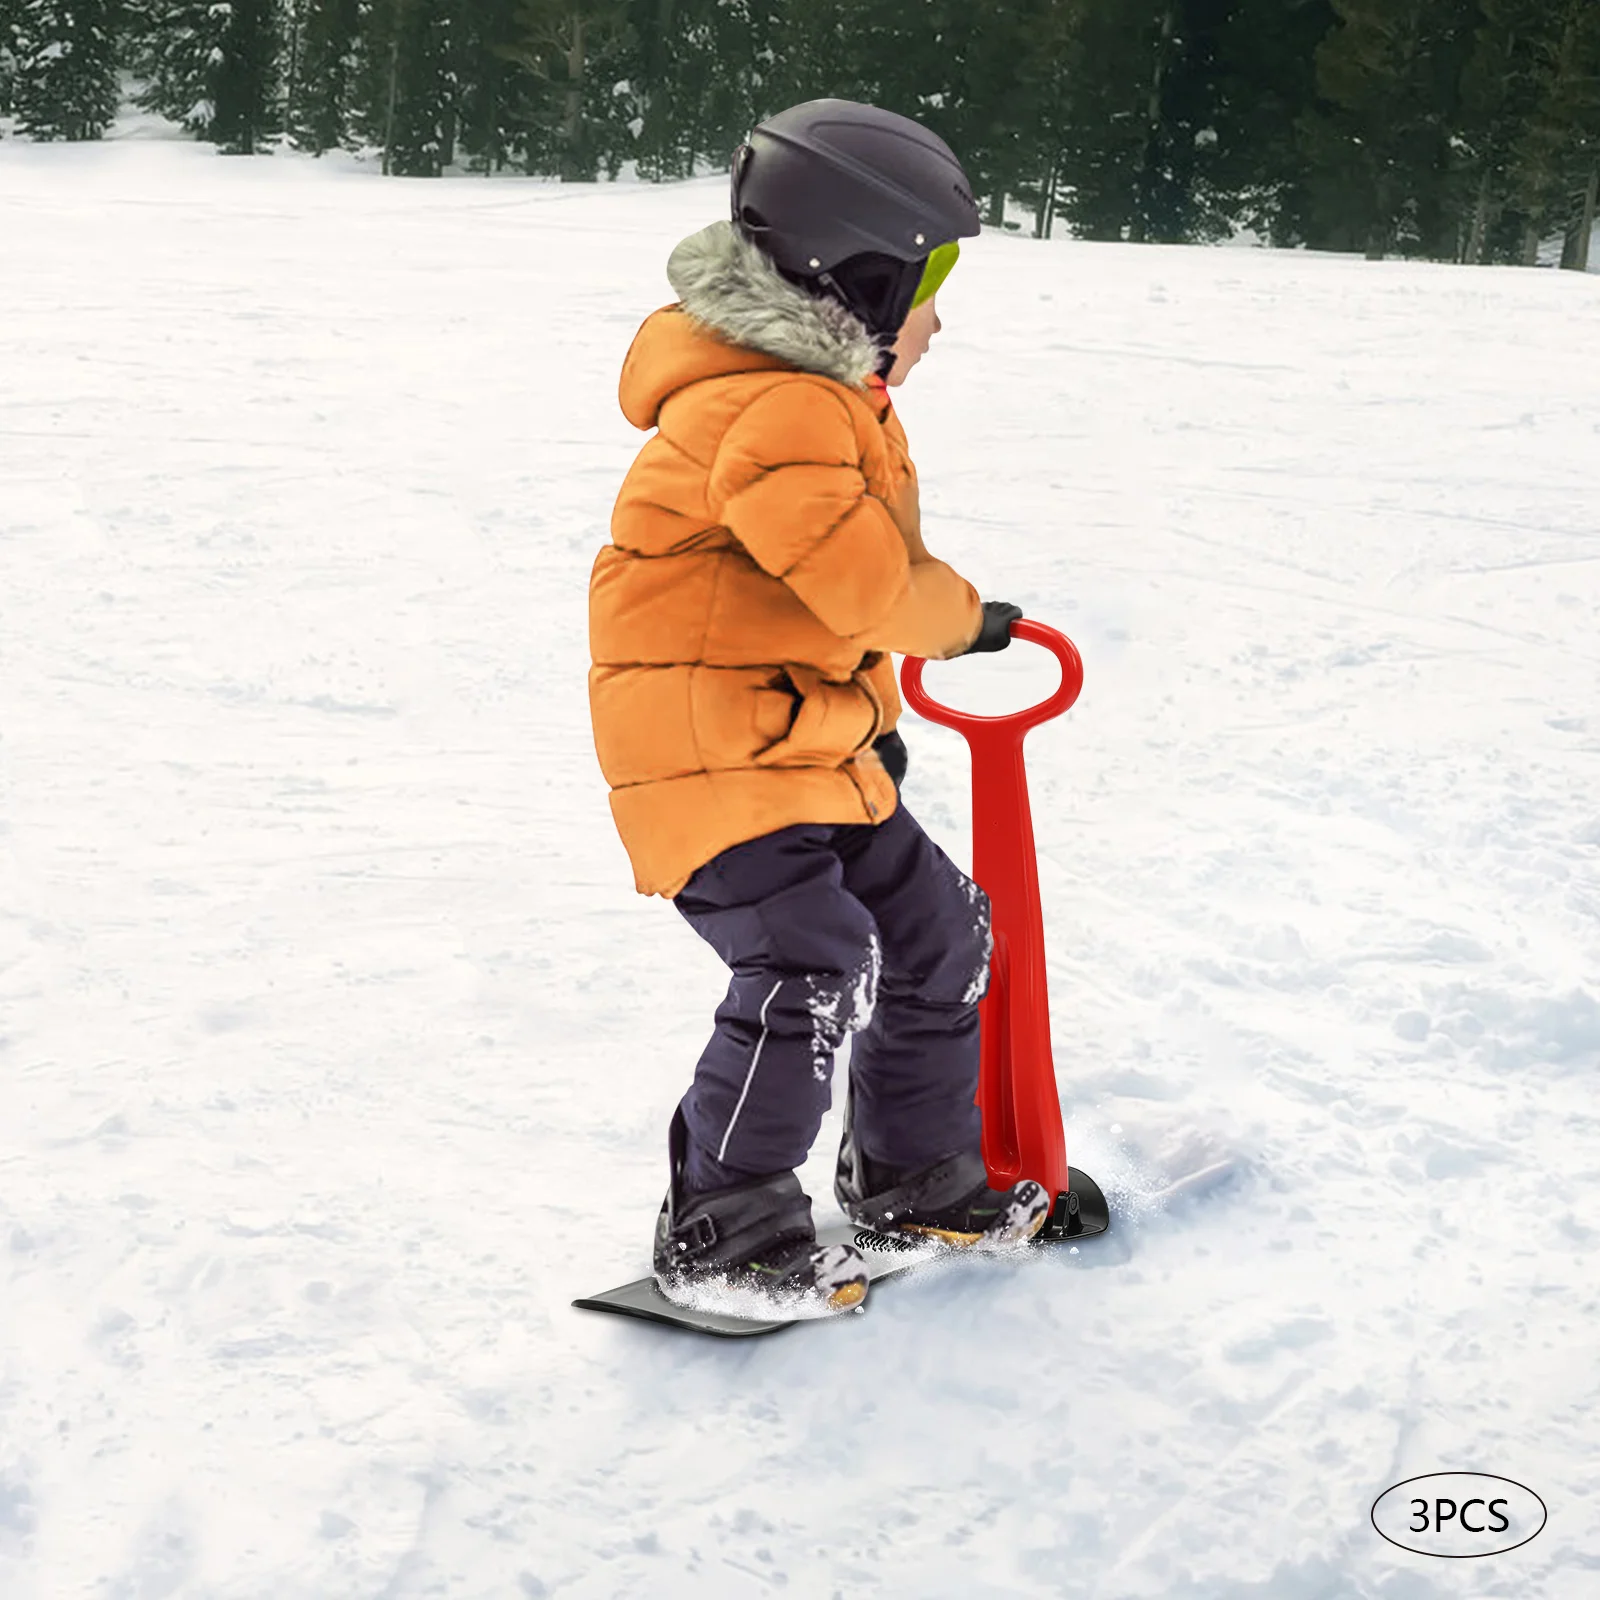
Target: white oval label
(1458, 1515)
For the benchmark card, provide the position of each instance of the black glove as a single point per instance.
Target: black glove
(995, 634)
(892, 752)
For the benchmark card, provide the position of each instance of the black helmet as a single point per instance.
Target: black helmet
(833, 182)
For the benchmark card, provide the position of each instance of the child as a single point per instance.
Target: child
(767, 558)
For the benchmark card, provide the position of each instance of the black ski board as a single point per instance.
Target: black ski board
(1079, 1213)
(886, 1255)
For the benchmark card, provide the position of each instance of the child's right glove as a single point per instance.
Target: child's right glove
(995, 634)
(893, 754)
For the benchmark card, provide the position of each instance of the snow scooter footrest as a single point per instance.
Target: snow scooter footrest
(1080, 1211)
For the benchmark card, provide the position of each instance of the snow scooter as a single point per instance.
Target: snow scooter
(1022, 1133)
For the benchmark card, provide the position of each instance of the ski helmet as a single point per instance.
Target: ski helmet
(850, 200)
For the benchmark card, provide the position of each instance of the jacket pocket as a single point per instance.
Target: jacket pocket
(737, 713)
(832, 721)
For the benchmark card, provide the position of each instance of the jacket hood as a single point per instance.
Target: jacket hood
(725, 282)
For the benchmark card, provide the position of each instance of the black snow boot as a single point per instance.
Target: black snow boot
(949, 1201)
(756, 1237)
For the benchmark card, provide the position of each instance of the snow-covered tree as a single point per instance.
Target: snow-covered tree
(322, 85)
(690, 75)
(8, 57)
(566, 47)
(212, 65)
(494, 95)
(64, 72)
(1558, 158)
(407, 84)
(1501, 89)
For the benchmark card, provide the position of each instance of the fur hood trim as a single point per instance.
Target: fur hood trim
(726, 283)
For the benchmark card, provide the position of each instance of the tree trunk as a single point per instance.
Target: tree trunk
(1578, 254)
(291, 87)
(1139, 231)
(1480, 223)
(1379, 237)
(572, 129)
(394, 93)
(1044, 217)
(997, 207)
(494, 156)
(1530, 243)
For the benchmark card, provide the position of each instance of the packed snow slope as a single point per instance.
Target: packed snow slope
(339, 1052)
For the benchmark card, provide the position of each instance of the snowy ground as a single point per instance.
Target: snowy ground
(337, 1050)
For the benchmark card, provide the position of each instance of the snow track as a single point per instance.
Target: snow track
(336, 1053)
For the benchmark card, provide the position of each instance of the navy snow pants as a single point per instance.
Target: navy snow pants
(831, 931)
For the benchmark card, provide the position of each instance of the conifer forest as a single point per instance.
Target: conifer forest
(1453, 130)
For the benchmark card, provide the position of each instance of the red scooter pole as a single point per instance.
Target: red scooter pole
(1022, 1134)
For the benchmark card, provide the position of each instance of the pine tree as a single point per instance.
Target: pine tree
(407, 93)
(1135, 123)
(247, 78)
(1264, 84)
(493, 110)
(961, 71)
(1047, 73)
(323, 81)
(986, 106)
(1558, 158)
(9, 10)
(685, 85)
(1379, 145)
(653, 102)
(727, 89)
(1502, 86)
(815, 55)
(212, 65)
(1099, 127)
(567, 47)
(64, 81)
(1529, 134)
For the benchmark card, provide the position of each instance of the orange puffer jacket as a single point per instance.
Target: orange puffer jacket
(741, 619)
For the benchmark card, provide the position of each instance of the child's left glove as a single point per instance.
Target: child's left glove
(995, 634)
(892, 752)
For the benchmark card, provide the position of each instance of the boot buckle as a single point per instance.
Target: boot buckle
(695, 1237)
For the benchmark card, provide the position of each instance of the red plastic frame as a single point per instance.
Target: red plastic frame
(1022, 1135)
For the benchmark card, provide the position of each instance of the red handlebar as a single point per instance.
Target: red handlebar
(1064, 650)
(1022, 1134)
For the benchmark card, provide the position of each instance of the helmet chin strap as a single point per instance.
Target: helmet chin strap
(837, 291)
